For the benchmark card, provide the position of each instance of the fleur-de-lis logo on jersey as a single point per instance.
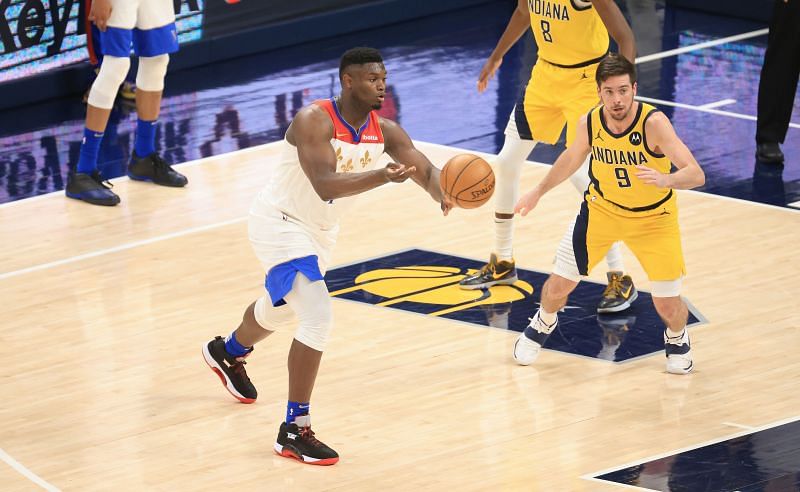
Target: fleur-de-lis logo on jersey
(338, 156)
(365, 160)
(348, 166)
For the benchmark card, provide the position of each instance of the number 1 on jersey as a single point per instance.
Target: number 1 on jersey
(546, 31)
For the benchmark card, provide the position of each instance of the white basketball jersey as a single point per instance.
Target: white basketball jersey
(290, 190)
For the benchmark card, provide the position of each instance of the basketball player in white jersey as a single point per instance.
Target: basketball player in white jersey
(331, 153)
(147, 26)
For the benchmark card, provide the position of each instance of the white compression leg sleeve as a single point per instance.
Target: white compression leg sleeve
(311, 304)
(105, 87)
(151, 73)
(508, 167)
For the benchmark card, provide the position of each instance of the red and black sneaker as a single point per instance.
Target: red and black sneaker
(296, 440)
(230, 370)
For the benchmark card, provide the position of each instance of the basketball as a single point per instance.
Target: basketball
(467, 180)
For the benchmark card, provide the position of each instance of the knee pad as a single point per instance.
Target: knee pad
(311, 304)
(105, 87)
(270, 317)
(666, 288)
(151, 73)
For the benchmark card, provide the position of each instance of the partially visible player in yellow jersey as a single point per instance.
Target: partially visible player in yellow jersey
(572, 36)
(630, 199)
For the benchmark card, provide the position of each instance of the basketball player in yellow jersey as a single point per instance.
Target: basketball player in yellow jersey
(633, 147)
(572, 37)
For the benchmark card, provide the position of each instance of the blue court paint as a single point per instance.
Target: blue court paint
(619, 337)
(762, 461)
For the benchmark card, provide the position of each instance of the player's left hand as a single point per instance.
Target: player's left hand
(652, 177)
(447, 206)
(527, 202)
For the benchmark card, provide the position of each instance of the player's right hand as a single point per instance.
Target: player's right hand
(527, 202)
(487, 72)
(397, 173)
(100, 12)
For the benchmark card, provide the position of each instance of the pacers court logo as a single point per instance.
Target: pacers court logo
(426, 282)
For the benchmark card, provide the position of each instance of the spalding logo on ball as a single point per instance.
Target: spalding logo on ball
(467, 180)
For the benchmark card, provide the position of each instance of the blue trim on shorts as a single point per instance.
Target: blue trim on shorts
(155, 42)
(521, 119)
(579, 240)
(280, 278)
(116, 42)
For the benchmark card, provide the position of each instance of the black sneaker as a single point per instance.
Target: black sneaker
(155, 169)
(91, 188)
(296, 440)
(493, 273)
(230, 370)
(619, 294)
(769, 152)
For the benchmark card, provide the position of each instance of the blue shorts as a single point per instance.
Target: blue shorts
(117, 41)
(280, 278)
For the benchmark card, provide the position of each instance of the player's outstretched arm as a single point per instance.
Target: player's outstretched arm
(661, 138)
(617, 27)
(311, 132)
(519, 23)
(399, 146)
(565, 166)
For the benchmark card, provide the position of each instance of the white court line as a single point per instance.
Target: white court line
(739, 426)
(750, 430)
(186, 164)
(795, 204)
(703, 45)
(122, 247)
(25, 472)
(717, 104)
(704, 109)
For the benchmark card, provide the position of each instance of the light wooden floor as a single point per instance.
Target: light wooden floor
(104, 311)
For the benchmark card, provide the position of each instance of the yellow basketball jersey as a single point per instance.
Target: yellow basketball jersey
(568, 33)
(613, 163)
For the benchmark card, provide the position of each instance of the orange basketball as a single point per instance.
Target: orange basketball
(467, 180)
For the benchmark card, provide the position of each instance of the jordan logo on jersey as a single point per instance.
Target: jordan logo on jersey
(635, 138)
(599, 136)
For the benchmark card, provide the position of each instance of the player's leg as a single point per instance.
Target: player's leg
(86, 183)
(656, 242)
(581, 97)
(587, 239)
(534, 119)
(154, 37)
(226, 356)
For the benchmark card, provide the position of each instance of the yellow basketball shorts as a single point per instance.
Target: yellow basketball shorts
(554, 97)
(654, 239)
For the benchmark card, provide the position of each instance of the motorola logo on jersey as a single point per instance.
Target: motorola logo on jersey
(635, 138)
(426, 282)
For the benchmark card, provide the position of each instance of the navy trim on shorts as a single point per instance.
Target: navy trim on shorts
(523, 128)
(581, 64)
(579, 240)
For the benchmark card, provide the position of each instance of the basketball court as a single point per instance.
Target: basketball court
(105, 311)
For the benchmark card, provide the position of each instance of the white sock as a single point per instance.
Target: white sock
(674, 336)
(503, 238)
(614, 258)
(545, 321)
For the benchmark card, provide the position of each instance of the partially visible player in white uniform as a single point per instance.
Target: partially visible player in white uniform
(331, 152)
(147, 26)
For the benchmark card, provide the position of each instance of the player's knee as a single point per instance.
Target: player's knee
(315, 327)
(268, 316)
(152, 70)
(668, 307)
(112, 74)
(558, 287)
